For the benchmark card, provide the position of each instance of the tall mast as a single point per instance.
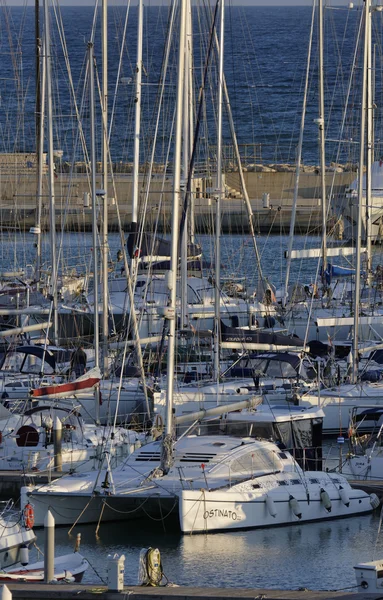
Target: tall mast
(322, 141)
(219, 192)
(37, 76)
(360, 191)
(104, 243)
(51, 175)
(186, 153)
(369, 153)
(96, 341)
(40, 154)
(172, 274)
(137, 124)
(189, 75)
(39, 138)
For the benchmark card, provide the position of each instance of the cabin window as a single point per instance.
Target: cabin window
(256, 461)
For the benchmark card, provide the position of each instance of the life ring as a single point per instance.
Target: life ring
(29, 516)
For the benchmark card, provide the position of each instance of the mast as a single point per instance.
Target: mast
(40, 154)
(93, 162)
(360, 192)
(104, 243)
(186, 153)
(189, 75)
(51, 175)
(369, 153)
(37, 75)
(322, 142)
(219, 192)
(39, 103)
(137, 127)
(172, 274)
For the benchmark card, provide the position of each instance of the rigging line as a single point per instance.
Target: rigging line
(132, 315)
(345, 111)
(241, 176)
(188, 192)
(60, 27)
(165, 65)
(111, 120)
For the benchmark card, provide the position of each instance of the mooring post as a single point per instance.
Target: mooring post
(49, 549)
(5, 593)
(57, 445)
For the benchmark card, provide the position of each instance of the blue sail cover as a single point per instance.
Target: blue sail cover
(335, 271)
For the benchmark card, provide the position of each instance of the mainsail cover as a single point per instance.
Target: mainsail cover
(251, 337)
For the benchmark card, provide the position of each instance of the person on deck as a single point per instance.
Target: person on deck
(78, 361)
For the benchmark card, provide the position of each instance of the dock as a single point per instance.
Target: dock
(12, 481)
(369, 486)
(40, 591)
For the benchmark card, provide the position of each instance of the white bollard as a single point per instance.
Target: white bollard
(57, 445)
(5, 593)
(116, 572)
(49, 550)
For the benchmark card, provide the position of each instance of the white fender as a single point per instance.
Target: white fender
(344, 496)
(271, 505)
(295, 507)
(325, 499)
(24, 555)
(374, 501)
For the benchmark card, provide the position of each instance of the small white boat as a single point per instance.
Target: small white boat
(69, 568)
(14, 535)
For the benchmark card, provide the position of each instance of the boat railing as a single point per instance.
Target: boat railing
(7, 507)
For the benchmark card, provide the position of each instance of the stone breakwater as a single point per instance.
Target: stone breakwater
(18, 197)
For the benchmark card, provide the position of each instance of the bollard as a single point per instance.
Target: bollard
(116, 572)
(49, 550)
(57, 445)
(5, 593)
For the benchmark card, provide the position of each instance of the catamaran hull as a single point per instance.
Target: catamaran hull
(204, 511)
(201, 511)
(83, 508)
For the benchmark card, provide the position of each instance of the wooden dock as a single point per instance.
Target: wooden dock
(40, 591)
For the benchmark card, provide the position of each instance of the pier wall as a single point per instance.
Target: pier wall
(18, 201)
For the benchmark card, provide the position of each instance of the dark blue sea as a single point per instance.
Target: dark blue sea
(265, 62)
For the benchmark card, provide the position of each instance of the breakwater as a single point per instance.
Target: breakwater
(270, 189)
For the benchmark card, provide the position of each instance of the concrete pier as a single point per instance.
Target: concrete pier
(38, 591)
(18, 201)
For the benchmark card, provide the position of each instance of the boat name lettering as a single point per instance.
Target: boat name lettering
(218, 512)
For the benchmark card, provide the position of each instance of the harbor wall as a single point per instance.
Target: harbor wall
(18, 201)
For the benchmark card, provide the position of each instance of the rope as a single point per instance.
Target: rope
(80, 515)
(96, 572)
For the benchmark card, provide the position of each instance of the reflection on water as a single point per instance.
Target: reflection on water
(316, 556)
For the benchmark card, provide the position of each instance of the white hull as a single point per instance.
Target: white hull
(201, 511)
(337, 407)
